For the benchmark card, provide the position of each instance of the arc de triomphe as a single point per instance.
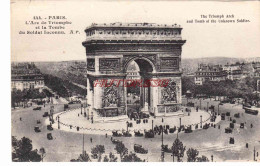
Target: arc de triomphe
(110, 48)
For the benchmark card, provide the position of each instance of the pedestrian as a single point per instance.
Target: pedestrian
(78, 114)
(251, 125)
(91, 139)
(20, 118)
(106, 135)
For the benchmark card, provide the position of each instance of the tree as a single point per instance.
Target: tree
(82, 158)
(97, 152)
(202, 159)
(22, 151)
(178, 149)
(106, 159)
(121, 150)
(112, 157)
(192, 155)
(43, 153)
(132, 157)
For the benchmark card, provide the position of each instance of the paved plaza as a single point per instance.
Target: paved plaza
(67, 143)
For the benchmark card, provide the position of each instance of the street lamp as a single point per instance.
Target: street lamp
(127, 123)
(91, 117)
(58, 122)
(200, 121)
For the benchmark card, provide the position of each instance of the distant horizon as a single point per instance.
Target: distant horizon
(182, 58)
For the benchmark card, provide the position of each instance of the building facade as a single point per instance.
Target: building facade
(26, 76)
(207, 72)
(234, 71)
(110, 48)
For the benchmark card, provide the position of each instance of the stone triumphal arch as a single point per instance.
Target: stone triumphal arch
(157, 51)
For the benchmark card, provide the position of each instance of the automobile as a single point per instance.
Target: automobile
(115, 141)
(251, 111)
(231, 140)
(228, 130)
(188, 130)
(242, 125)
(45, 114)
(149, 134)
(127, 134)
(49, 136)
(38, 122)
(166, 149)
(231, 125)
(172, 130)
(49, 127)
(237, 115)
(116, 134)
(205, 126)
(146, 115)
(227, 113)
(66, 106)
(223, 116)
(220, 103)
(140, 149)
(37, 129)
(139, 134)
(190, 104)
(37, 108)
(212, 107)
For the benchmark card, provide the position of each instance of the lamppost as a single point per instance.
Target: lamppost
(200, 103)
(127, 123)
(152, 124)
(200, 121)
(207, 106)
(180, 122)
(218, 109)
(91, 117)
(162, 148)
(58, 122)
(81, 109)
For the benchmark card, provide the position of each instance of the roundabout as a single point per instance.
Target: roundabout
(73, 121)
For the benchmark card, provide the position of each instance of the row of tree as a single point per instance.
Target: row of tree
(98, 151)
(22, 151)
(243, 88)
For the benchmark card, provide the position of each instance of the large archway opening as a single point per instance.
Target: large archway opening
(139, 98)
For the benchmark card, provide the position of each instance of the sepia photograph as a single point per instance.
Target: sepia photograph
(134, 81)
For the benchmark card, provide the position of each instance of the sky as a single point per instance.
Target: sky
(240, 40)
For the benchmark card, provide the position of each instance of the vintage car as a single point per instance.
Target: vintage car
(138, 134)
(190, 104)
(140, 149)
(251, 111)
(38, 122)
(116, 134)
(206, 126)
(223, 116)
(37, 129)
(188, 130)
(115, 141)
(228, 130)
(172, 130)
(242, 125)
(49, 136)
(237, 115)
(66, 106)
(37, 108)
(49, 127)
(212, 107)
(45, 114)
(127, 134)
(231, 140)
(166, 149)
(231, 125)
(149, 134)
(227, 113)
